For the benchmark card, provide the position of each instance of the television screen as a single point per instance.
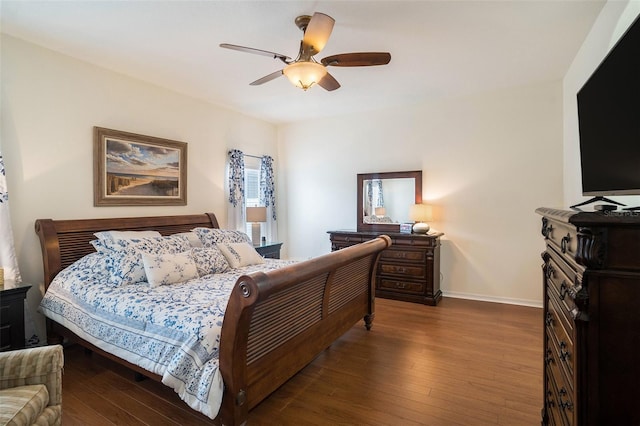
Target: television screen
(609, 121)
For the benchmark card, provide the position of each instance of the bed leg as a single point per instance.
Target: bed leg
(53, 338)
(139, 377)
(368, 320)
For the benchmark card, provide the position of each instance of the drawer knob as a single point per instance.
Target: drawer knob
(551, 271)
(564, 289)
(400, 285)
(550, 401)
(546, 228)
(565, 242)
(549, 319)
(564, 353)
(564, 404)
(548, 359)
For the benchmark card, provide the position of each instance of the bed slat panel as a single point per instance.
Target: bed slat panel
(350, 282)
(280, 318)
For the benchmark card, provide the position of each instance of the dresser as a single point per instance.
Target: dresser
(12, 318)
(591, 278)
(408, 270)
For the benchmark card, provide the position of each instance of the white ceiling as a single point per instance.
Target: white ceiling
(438, 48)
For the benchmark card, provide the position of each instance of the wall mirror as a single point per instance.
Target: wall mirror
(384, 199)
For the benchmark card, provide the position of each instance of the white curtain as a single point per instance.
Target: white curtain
(8, 259)
(268, 196)
(235, 183)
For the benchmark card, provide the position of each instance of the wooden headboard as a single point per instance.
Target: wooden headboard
(65, 241)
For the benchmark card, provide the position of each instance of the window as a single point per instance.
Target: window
(251, 186)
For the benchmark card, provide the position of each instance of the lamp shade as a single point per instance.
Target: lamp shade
(256, 214)
(305, 73)
(381, 211)
(420, 212)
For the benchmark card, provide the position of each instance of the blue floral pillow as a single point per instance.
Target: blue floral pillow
(163, 269)
(209, 260)
(125, 235)
(212, 236)
(125, 264)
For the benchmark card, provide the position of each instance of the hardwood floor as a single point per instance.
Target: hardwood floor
(460, 363)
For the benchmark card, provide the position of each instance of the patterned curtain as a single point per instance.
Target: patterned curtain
(380, 200)
(373, 196)
(268, 196)
(8, 259)
(236, 207)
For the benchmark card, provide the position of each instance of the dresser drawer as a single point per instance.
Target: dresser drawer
(401, 286)
(563, 236)
(555, 417)
(559, 401)
(561, 341)
(565, 283)
(408, 270)
(417, 256)
(347, 239)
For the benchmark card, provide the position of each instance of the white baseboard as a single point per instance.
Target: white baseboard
(482, 298)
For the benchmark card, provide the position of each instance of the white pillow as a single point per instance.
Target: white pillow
(162, 269)
(240, 254)
(125, 235)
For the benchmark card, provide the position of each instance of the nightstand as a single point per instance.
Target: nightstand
(12, 318)
(269, 250)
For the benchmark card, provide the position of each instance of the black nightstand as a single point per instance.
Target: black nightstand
(12, 318)
(269, 250)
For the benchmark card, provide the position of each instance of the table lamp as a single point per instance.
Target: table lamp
(255, 215)
(420, 213)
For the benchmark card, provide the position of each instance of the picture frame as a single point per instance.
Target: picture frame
(137, 170)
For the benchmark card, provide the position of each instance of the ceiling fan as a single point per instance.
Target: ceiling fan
(305, 70)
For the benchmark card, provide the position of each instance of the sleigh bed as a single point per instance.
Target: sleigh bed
(276, 321)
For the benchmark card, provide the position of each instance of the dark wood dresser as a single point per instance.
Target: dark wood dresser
(409, 270)
(591, 276)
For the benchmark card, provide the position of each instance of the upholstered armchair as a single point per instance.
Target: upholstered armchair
(31, 386)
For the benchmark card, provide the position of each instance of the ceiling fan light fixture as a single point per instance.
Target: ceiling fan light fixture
(305, 73)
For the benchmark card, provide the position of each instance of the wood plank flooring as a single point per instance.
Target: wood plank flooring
(460, 363)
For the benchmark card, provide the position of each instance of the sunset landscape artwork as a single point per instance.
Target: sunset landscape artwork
(136, 169)
(133, 169)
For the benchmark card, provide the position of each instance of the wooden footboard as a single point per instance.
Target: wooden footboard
(275, 323)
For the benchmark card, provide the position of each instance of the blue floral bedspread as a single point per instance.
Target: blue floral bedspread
(170, 330)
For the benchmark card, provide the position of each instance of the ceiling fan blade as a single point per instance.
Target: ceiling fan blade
(361, 59)
(317, 33)
(329, 83)
(266, 78)
(274, 55)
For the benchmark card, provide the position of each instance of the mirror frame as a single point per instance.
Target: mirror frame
(385, 227)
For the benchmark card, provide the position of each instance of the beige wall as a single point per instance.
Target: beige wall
(615, 18)
(488, 161)
(50, 104)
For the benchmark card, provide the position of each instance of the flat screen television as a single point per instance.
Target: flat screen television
(609, 121)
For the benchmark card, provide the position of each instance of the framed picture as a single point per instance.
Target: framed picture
(137, 170)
